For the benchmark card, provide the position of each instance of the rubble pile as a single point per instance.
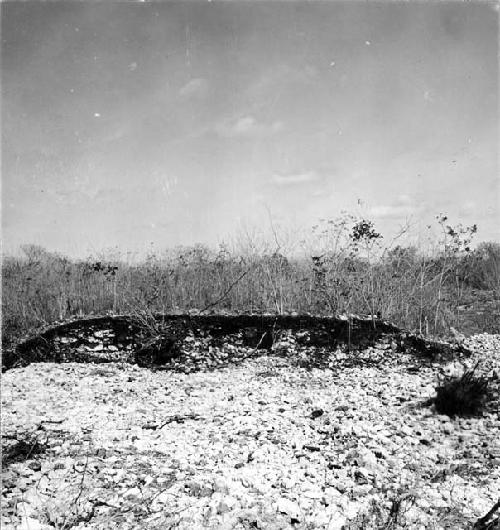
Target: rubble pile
(166, 337)
(244, 427)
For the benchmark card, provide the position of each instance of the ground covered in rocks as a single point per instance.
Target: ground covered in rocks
(234, 437)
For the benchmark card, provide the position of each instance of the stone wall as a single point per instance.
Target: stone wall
(126, 338)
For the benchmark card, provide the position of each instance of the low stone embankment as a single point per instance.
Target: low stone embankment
(159, 341)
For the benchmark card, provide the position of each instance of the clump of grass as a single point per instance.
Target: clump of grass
(379, 517)
(461, 395)
(24, 447)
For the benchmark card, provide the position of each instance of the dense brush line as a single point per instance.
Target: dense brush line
(401, 284)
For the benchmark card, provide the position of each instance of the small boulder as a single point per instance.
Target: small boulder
(288, 507)
(317, 413)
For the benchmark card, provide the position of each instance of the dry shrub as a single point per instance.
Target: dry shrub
(23, 447)
(460, 396)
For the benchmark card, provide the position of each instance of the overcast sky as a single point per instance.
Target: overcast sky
(126, 124)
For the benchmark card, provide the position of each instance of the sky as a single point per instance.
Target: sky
(134, 125)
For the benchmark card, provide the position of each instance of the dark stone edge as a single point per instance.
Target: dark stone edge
(357, 333)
